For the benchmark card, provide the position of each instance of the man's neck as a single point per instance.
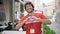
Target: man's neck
(30, 13)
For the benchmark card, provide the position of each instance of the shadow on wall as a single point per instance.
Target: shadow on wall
(2, 16)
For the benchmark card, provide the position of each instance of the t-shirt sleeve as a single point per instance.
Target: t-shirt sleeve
(43, 16)
(22, 19)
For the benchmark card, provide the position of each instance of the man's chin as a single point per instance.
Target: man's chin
(30, 12)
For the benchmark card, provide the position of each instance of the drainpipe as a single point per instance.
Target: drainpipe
(13, 12)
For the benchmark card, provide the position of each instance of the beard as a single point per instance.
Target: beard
(30, 10)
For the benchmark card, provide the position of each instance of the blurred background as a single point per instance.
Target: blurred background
(11, 11)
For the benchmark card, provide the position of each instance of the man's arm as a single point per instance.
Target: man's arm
(19, 25)
(44, 21)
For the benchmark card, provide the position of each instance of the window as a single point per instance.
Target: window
(1, 1)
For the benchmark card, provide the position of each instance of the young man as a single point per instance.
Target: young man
(32, 20)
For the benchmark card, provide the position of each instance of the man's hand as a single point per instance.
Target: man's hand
(35, 18)
(27, 19)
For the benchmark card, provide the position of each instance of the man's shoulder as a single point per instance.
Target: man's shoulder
(38, 13)
(24, 16)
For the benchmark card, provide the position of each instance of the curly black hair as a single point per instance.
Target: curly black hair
(30, 4)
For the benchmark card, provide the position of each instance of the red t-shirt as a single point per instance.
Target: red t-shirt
(36, 25)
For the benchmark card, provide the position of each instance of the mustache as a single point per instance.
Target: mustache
(29, 8)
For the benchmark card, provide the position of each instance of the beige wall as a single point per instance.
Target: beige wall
(57, 5)
(8, 10)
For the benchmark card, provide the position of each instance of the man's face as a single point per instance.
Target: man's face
(29, 8)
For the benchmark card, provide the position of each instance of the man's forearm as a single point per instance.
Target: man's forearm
(45, 21)
(19, 25)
